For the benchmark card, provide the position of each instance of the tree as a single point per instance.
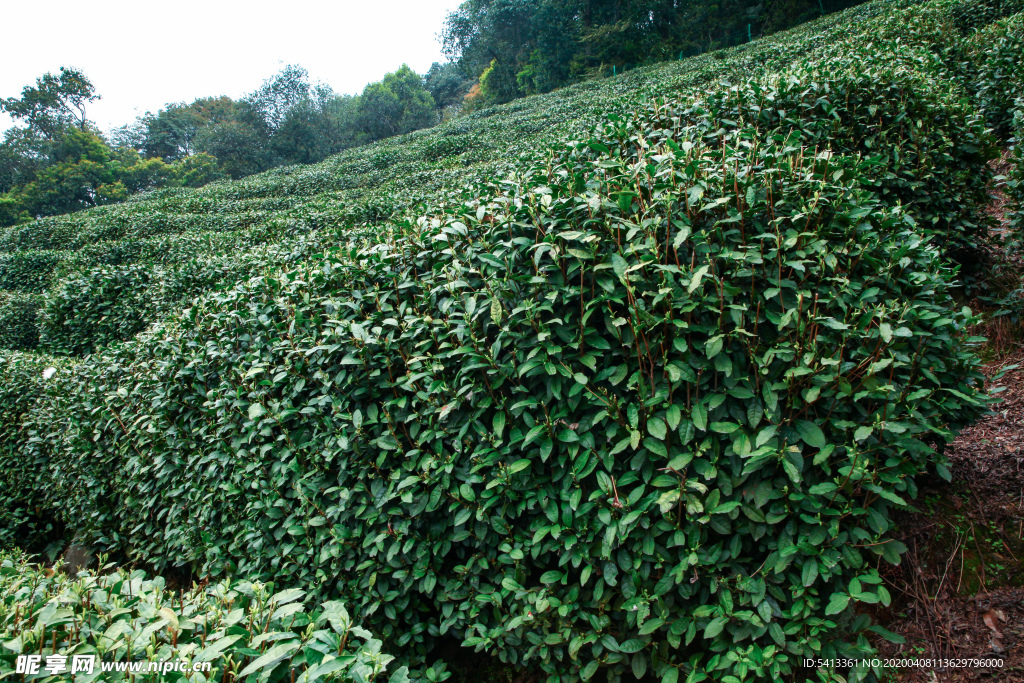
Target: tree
(447, 84)
(397, 104)
(519, 47)
(239, 147)
(278, 94)
(72, 182)
(197, 170)
(56, 102)
(59, 162)
(317, 127)
(22, 154)
(493, 35)
(171, 133)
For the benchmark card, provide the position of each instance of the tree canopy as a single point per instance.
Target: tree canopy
(519, 47)
(397, 104)
(56, 101)
(57, 161)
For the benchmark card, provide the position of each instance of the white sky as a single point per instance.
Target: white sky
(142, 55)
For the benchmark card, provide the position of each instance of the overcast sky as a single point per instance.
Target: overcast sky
(142, 55)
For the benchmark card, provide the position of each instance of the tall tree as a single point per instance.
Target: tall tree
(447, 83)
(278, 94)
(494, 35)
(171, 133)
(55, 102)
(397, 104)
(518, 47)
(239, 147)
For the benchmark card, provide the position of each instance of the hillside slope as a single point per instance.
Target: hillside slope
(626, 378)
(169, 246)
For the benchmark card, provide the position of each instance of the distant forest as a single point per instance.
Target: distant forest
(515, 48)
(57, 161)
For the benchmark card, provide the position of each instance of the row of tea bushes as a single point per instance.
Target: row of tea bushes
(244, 630)
(643, 411)
(643, 407)
(1015, 183)
(100, 306)
(393, 175)
(996, 52)
(971, 16)
(833, 102)
(912, 136)
(28, 511)
(19, 329)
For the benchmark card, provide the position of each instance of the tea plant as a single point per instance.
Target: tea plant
(655, 389)
(620, 380)
(243, 630)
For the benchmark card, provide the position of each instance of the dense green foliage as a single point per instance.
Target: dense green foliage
(53, 167)
(454, 438)
(174, 226)
(58, 163)
(1015, 184)
(625, 377)
(19, 328)
(288, 120)
(872, 105)
(996, 52)
(521, 47)
(244, 629)
(96, 306)
(25, 514)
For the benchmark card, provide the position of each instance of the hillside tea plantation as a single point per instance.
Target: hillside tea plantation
(621, 382)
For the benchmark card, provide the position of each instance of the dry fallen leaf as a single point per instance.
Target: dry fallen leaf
(992, 619)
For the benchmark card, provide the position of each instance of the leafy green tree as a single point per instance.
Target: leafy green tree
(272, 101)
(519, 47)
(170, 134)
(22, 153)
(75, 179)
(11, 210)
(59, 163)
(447, 83)
(316, 127)
(395, 105)
(239, 147)
(339, 124)
(56, 101)
(493, 35)
(197, 170)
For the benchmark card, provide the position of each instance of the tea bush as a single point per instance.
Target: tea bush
(656, 389)
(999, 80)
(392, 176)
(95, 308)
(242, 629)
(27, 507)
(919, 143)
(18, 312)
(448, 146)
(27, 271)
(644, 406)
(975, 14)
(1015, 183)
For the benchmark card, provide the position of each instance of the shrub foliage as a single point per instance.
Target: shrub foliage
(242, 629)
(643, 406)
(657, 389)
